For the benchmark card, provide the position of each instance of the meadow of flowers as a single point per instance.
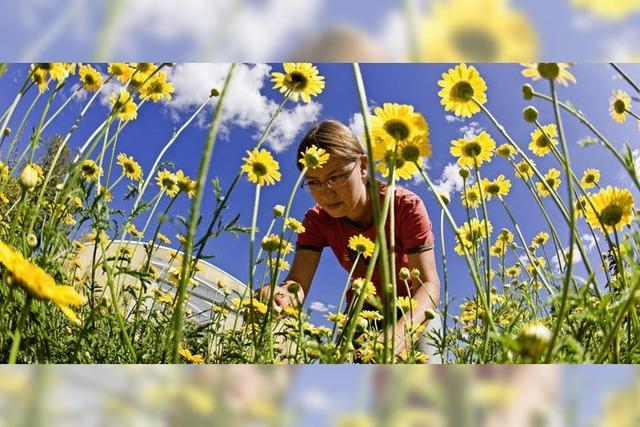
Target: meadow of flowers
(54, 206)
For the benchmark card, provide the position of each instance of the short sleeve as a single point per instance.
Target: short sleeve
(313, 237)
(415, 227)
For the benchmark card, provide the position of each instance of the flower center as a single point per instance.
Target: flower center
(619, 106)
(549, 70)
(611, 215)
(89, 80)
(493, 188)
(298, 80)
(476, 44)
(410, 153)
(590, 178)
(462, 91)
(129, 167)
(397, 129)
(543, 142)
(168, 183)
(551, 182)
(471, 149)
(259, 169)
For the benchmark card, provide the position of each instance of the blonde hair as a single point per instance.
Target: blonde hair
(334, 137)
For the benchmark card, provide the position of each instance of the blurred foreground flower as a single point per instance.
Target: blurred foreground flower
(301, 78)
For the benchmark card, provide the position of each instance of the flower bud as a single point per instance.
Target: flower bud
(429, 314)
(278, 210)
(404, 273)
(530, 114)
(534, 339)
(464, 173)
(293, 288)
(32, 240)
(214, 92)
(444, 197)
(415, 273)
(28, 177)
(6, 131)
(527, 91)
(362, 323)
(548, 70)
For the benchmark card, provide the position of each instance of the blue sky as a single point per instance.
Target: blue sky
(265, 30)
(414, 84)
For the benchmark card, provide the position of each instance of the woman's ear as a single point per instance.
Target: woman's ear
(364, 163)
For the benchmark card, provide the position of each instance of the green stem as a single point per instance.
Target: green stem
(178, 314)
(17, 334)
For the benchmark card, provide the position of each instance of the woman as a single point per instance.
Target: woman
(344, 209)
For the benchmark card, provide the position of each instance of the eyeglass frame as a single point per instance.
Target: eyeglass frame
(325, 183)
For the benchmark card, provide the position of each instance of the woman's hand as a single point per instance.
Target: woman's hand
(287, 294)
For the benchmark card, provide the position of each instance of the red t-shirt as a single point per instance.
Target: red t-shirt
(412, 232)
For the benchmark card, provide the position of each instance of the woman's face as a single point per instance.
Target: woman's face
(340, 200)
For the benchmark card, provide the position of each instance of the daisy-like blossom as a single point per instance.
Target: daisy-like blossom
(314, 157)
(38, 283)
(261, 168)
(301, 78)
(462, 86)
(362, 245)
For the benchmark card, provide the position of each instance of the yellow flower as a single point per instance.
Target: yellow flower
(131, 229)
(314, 157)
(157, 88)
(609, 9)
(164, 239)
(550, 71)
(57, 70)
(272, 243)
(294, 225)
(619, 104)
(186, 184)
(590, 178)
(470, 312)
(301, 78)
(362, 245)
(121, 70)
(498, 187)
(414, 149)
(168, 183)
(90, 170)
(471, 234)
(552, 178)
(506, 150)
(523, 170)
(513, 271)
(123, 105)
(477, 31)
(372, 315)
(283, 265)
(38, 283)
(538, 262)
(144, 68)
(497, 250)
(368, 286)
(540, 144)
(90, 78)
(40, 78)
(261, 167)
(581, 204)
(505, 237)
(470, 196)
(540, 239)
(130, 168)
(191, 358)
(384, 153)
(407, 303)
(460, 86)
(397, 122)
(473, 152)
(614, 206)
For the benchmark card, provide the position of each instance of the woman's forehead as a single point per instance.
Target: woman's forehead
(333, 165)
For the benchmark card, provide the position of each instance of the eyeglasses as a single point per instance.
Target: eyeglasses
(336, 181)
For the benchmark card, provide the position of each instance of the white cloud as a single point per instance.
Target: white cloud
(244, 105)
(558, 264)
(453, 119)
(356, 124)
(319, 307)
(635, 154)
(471, 130)
(589, 241)
(450, 181)
(220, 30)
(315, 400)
